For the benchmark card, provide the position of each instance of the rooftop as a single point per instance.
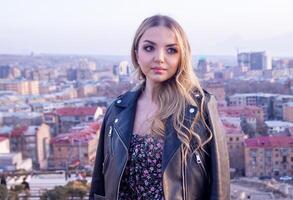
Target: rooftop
(78, 135)
(19, 130)
(269, 141)
(255, 94)
(76, 111)
(277, 123)
(3, 138)
(237, 111)
(289, 104)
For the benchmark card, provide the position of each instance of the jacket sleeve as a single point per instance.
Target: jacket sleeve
(220, 169)
(97, 184)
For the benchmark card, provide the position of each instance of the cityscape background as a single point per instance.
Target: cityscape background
(62, 64)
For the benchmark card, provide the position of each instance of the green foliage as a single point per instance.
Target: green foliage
(3, 192)
(72, 189)
(247, 128)
(58, 193)
(14, 192)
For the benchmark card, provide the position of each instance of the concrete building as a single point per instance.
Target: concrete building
(14, 161)
(278, 127)
(262, 100)
(288, 112)
(278, 105)
(252, 114)
(269, 156)
(203, 66)
(254, 60)
(78, 147)
(21, 118)
(4, 71)
(217, 89)
(235, 141)
(22, 87)
(33, 142)
(62, 119)
(87, 90)
(4, 145)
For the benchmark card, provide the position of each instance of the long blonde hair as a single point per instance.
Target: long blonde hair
(176, 93)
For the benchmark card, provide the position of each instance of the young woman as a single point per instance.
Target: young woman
(164, 139)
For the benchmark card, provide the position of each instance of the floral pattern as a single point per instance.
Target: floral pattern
(142, 178)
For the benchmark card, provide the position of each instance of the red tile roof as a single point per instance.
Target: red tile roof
(76, 137)
(237, 111)
(269, 141)
(76, 111)
(2, 138)
(19, 130)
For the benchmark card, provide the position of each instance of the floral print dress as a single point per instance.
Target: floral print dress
(142, 178)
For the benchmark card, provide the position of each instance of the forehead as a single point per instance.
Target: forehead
(159, 35)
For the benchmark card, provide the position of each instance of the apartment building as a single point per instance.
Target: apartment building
(269, 156)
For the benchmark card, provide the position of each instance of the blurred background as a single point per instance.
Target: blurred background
(63, 62)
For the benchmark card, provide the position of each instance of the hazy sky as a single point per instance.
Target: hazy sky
(107, 26)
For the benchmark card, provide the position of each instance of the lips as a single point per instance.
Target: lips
(158, 68)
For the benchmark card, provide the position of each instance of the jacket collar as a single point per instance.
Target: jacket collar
(124, 123)
(128, 99)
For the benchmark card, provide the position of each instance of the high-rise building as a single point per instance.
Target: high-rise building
(254, 60)
(4, 71)
(203, 66)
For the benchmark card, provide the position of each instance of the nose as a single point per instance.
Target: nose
(159, 56)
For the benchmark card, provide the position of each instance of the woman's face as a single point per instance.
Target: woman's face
(158, 54)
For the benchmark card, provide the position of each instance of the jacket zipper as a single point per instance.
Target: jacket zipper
(199, 162)
(183, 163)
(120, 177)
(110, 141)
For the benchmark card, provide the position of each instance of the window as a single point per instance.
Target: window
(284, 159)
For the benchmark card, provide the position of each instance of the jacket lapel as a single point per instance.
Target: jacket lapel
(125, 118)
(172, 142)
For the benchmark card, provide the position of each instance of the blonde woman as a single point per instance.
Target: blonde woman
(164, 139)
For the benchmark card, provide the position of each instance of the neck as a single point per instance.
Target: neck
(150, 91)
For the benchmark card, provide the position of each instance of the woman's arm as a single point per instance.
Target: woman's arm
(97, 184)
(220, 169)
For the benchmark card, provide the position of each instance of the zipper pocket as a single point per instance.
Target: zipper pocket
(110, 142)
(200, 163)
(105, 163)
(124, 166)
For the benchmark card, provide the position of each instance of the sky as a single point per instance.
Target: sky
(107, 27)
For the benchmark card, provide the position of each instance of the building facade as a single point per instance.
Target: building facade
(269, 156)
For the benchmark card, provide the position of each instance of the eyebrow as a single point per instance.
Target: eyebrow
(153, 43)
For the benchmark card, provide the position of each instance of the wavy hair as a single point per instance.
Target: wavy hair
(176, 93)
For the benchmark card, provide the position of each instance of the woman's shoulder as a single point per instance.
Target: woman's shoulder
(125, 99)
(198, 96)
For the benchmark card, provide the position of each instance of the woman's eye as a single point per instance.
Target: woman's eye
(172, 50)
(148, 48)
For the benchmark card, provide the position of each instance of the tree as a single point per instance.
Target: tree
(247, 128)
(72, 189)
(3, 192)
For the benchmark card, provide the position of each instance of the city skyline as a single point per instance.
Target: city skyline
(107, 27)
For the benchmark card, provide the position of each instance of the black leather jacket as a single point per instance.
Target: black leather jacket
(201, 177)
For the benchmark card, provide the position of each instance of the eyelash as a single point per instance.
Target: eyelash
(150, 48)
